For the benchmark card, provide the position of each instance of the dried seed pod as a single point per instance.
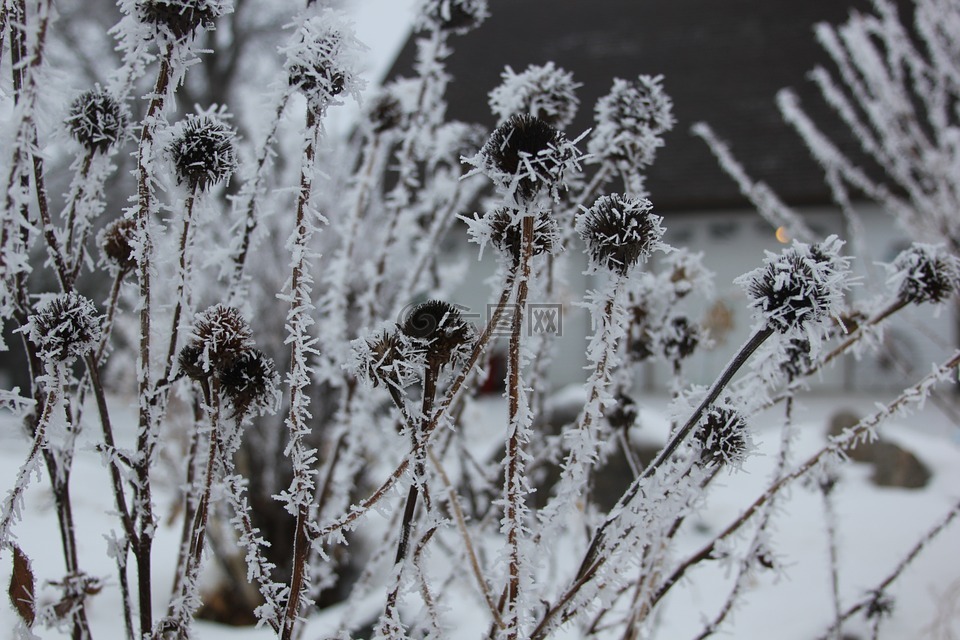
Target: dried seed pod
(456, 16)
(630, 120)
(191, 361)
(221, 335)
(802, 285)
(180, 18)
(543, 91)
(116, 243)
(796, 360)
(623, 414)
(322, 58)
(525, 154)
(96, 120)
(204, 152)
(384, 112)
(681, 338)
(65, 327)
(619, 232)
(722, 436)
(506, 233)
(384, 357)
(439, 329)
(250, 382)
(925, 273)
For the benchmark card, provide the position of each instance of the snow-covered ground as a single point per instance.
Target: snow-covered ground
(877, 527)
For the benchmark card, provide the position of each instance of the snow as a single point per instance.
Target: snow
(877, 527)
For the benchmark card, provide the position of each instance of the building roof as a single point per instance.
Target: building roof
(722, 63)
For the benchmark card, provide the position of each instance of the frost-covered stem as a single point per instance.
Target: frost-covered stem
(190, 500)
(145, 391)
(454, 501)
(182, 274)
(110, 448)
(70, 223)
(254, 194)
(898, 570)
(679, 436)
(107, 327)
(518, 435)
(830, 516)
(12, 504)
(915, 394)
(298, 320)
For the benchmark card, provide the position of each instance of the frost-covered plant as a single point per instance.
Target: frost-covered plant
(281, 482)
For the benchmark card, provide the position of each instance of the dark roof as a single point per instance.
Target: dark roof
(722, 63)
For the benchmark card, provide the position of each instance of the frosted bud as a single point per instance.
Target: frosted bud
(204, 151)
(925, 273)
(439, 329)
(180, 18)
(506, 233)
(456, 16)
(322, 60)
(220, 336)
(543, 91)
(630, 120)
(96, 120)
(116, 243)
(64, 327)
(250, 382)
(722, 436)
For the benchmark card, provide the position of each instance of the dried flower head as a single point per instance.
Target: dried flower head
(797, 359)
(116, 243)
(439, 329)
(456, 16)
(623, 414)
(543, 91)
(384, 112)
(250, 383)
(524, 154)
(64, 327)
(204, 151)
(321, 62)
(619, 232)
(722, 436)
(97, 120)
(640, 334)
(180, 18)
(506, 233)
(220, 336)
(802, 285)
(681, 337)
(384, 357)
(925, 273)
(630, 120)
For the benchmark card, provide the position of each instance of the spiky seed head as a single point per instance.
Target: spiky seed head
(322, 59)
(681, 338)
(623, 414)
(525, 154)
(191, 362)
(543, 91)
(630, 121)
(180, 18)
(96, 120)
(222, 335)
(802, 285)
(797, 358)
(925, 273)
(250, 382)
(204, 152)
(385, 112)
(383, 357)
(506, 233)
(440, 330)
(116, 243)
(455, 16)
(722, 436)
(619, 232)
(64, 327)
(640, 338)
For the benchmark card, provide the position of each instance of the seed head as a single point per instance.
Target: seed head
(630, 120)
(321, 60)
(384, 357)
(116, 243)
(722, 435)
(96, 120)
(623, 414)
(220, 336)
(546, 92)
(525, 154)
(204, 152)
(506, 233)
(385, 112)
(438, 328)
(797, 360)
(180, 18)
(800, 286)
(619, 232)
(456, 16)
(925, 273)
(65, 327)
(681, 338)
(250, 382)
